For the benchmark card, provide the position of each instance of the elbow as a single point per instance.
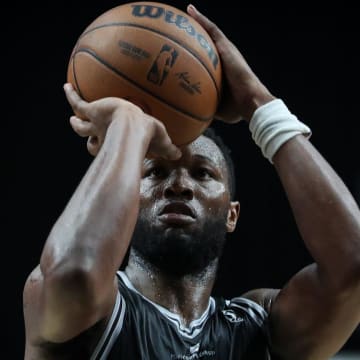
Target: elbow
(69, 279)
(65, 262)
(354, 277)
(351, 277)
(70, 275)
(347, 282)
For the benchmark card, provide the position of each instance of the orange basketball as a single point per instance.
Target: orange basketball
(155, 56)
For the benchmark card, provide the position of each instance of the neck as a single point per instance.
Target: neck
(186, 295)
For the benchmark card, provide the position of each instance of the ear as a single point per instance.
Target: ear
(232, 216)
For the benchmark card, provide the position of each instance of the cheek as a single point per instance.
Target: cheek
(148, 191)
(218, 199)
(148, 197)
(218, 190)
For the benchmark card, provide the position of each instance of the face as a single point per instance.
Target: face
(185, 210)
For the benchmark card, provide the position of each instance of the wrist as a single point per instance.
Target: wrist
(130, 130)
(255, 100)
(272, 124)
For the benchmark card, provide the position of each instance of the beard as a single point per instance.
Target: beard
(176, 251)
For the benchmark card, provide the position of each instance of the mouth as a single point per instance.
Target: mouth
(177, 213)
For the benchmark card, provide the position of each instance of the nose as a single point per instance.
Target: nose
(179, 186)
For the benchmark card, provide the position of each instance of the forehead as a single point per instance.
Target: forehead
(206, 148)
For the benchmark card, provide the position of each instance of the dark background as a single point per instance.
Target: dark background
(307, 57)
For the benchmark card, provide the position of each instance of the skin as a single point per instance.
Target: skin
(310, 318)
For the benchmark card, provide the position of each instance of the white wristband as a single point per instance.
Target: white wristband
(272, 124)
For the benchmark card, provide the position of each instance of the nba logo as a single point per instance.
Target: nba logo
(164, 61)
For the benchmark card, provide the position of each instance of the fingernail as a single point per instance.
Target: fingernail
(191, 7)
(177, 153)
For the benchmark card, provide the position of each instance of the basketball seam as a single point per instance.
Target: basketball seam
(75, 75)
(116, 71)
(162, 34)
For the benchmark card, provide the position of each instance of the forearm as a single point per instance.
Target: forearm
(94, 230)
(327, 216)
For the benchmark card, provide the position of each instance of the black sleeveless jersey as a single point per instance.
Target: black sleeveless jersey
(140, 329)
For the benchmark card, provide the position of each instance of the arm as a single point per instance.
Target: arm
(74, 285)
(319, 308)
(327, 293)
(317, 311)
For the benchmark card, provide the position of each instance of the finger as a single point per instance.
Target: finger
(81, 127)
(171, 152)
(165, 152)
(163, 146)
(214, 32)
(76, 102)
(93, 145)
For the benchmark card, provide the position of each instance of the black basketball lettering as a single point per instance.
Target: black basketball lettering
(179, 21)
(150, 11)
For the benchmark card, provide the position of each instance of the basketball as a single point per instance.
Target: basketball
(155, 56)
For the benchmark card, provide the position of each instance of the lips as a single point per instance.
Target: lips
(178, 207)
(177, 214)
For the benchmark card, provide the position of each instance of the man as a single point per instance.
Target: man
(172, 208)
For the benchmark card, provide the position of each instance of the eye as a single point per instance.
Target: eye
(157, 172)
(203, 173)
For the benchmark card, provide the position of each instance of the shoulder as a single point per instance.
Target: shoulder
(263, 297)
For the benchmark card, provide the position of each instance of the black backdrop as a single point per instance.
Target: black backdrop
(307, 57)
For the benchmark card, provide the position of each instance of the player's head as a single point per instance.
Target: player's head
(186, 207)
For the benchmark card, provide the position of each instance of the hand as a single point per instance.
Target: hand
(92, 120)
(243, 92)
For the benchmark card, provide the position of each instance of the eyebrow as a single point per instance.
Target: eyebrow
(197, 156)
(205, 158)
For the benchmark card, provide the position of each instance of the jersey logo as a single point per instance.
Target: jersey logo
(231, 316)
(195, 348)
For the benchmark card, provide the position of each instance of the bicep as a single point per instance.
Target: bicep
(309, 321)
